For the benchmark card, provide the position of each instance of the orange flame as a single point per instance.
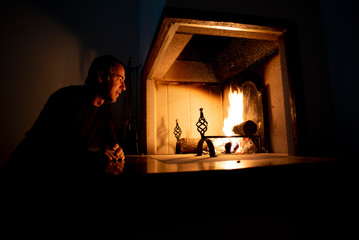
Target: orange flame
(235, 117)
(235, 111)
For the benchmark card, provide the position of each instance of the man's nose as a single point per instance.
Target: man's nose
(123, 86)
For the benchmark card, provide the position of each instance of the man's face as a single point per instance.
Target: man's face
(116, 82)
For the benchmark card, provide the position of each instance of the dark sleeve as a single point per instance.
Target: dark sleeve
(54, 117)
(46, 145)
(56, 125)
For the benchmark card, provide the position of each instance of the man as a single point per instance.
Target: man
(74, 133)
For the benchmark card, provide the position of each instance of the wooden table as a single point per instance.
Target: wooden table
(177, 163)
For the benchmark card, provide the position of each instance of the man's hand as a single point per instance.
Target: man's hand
(115, 158)
(115, 153)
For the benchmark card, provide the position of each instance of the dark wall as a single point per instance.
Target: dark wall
(46, 45)
(340, 24)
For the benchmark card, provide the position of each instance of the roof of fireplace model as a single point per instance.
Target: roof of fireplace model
(192, 50)
(227, 56)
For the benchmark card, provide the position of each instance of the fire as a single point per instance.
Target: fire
(238, 145)
(235, 111)
(235, 117)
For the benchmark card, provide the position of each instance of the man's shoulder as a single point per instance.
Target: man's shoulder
(68, 94)
(72, 91)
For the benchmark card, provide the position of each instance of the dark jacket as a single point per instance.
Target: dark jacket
(68, 137)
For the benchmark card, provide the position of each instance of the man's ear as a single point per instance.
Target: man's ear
(100, 76)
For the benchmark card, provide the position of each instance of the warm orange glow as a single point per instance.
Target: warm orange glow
(235, 111)
(229, 164)
(235, 117)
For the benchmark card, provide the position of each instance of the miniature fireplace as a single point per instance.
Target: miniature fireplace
(206, 64)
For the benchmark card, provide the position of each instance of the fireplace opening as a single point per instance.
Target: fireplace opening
(243, 124)
(235, 72)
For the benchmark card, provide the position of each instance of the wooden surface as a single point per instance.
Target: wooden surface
(175, 163)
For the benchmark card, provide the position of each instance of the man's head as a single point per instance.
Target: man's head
(106, 76)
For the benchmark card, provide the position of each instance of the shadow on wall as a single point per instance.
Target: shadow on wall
(38, 56)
